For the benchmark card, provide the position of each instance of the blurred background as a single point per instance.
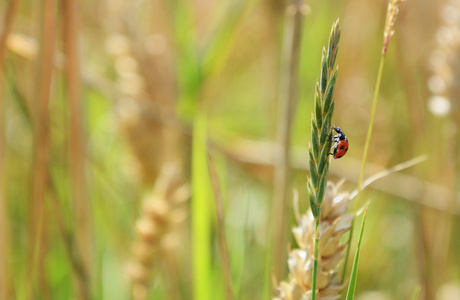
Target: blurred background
(140, 143)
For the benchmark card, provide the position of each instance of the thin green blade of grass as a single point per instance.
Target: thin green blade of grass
(416, 292)
(388, 32)
(354, 270)
(201, 215)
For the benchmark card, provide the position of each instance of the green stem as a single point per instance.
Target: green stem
(366, 150)
(201, 215)
(369, 129)
(315, 262)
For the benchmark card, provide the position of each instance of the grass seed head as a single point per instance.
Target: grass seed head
(321, 122)
(392, 14)
(334, 224)
(162, 210)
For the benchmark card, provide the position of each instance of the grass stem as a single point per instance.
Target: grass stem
(388, 32)
(363, 164)
(370, 127)
(41, 146)
(315, 262)
(77, 144)
(287, 98)
(201, 215)
(6, 288)
(354, 271)
(320, 143)
(223, 246)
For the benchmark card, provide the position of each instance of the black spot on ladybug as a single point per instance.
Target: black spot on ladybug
(346, 149)
(341, 147)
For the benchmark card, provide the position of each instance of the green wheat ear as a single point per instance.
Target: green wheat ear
(321, 123)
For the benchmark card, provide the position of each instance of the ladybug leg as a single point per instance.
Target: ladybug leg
(335, 150)
(335, 138)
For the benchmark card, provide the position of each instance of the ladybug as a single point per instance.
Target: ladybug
(340, 146)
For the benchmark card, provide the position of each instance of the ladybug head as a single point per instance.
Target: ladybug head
(337, 129)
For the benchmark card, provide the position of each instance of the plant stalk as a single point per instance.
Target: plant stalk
(6, 286)
(223, 247)
(200, 209)
(287, 99)
(320, 143)
(41, 128)
(370, 127)
(366, 150)
(315, 262)
(77, 146)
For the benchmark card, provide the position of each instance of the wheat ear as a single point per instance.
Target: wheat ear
(320, 145)
(306, 264)
(320, 141)
(334, 224)
(162, 211)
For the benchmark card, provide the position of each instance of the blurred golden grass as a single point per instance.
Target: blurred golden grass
(5, 268)
(163, 210)
(288, 94)
(143, 68)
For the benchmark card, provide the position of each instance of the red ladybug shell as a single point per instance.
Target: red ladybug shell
(341, 149)
(340, 146)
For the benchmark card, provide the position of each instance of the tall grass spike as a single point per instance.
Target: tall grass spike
(321, 122)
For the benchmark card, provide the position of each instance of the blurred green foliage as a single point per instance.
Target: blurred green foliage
(222, 59)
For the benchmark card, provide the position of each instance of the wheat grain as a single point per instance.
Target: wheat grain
(161, 212)
(335, 222)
